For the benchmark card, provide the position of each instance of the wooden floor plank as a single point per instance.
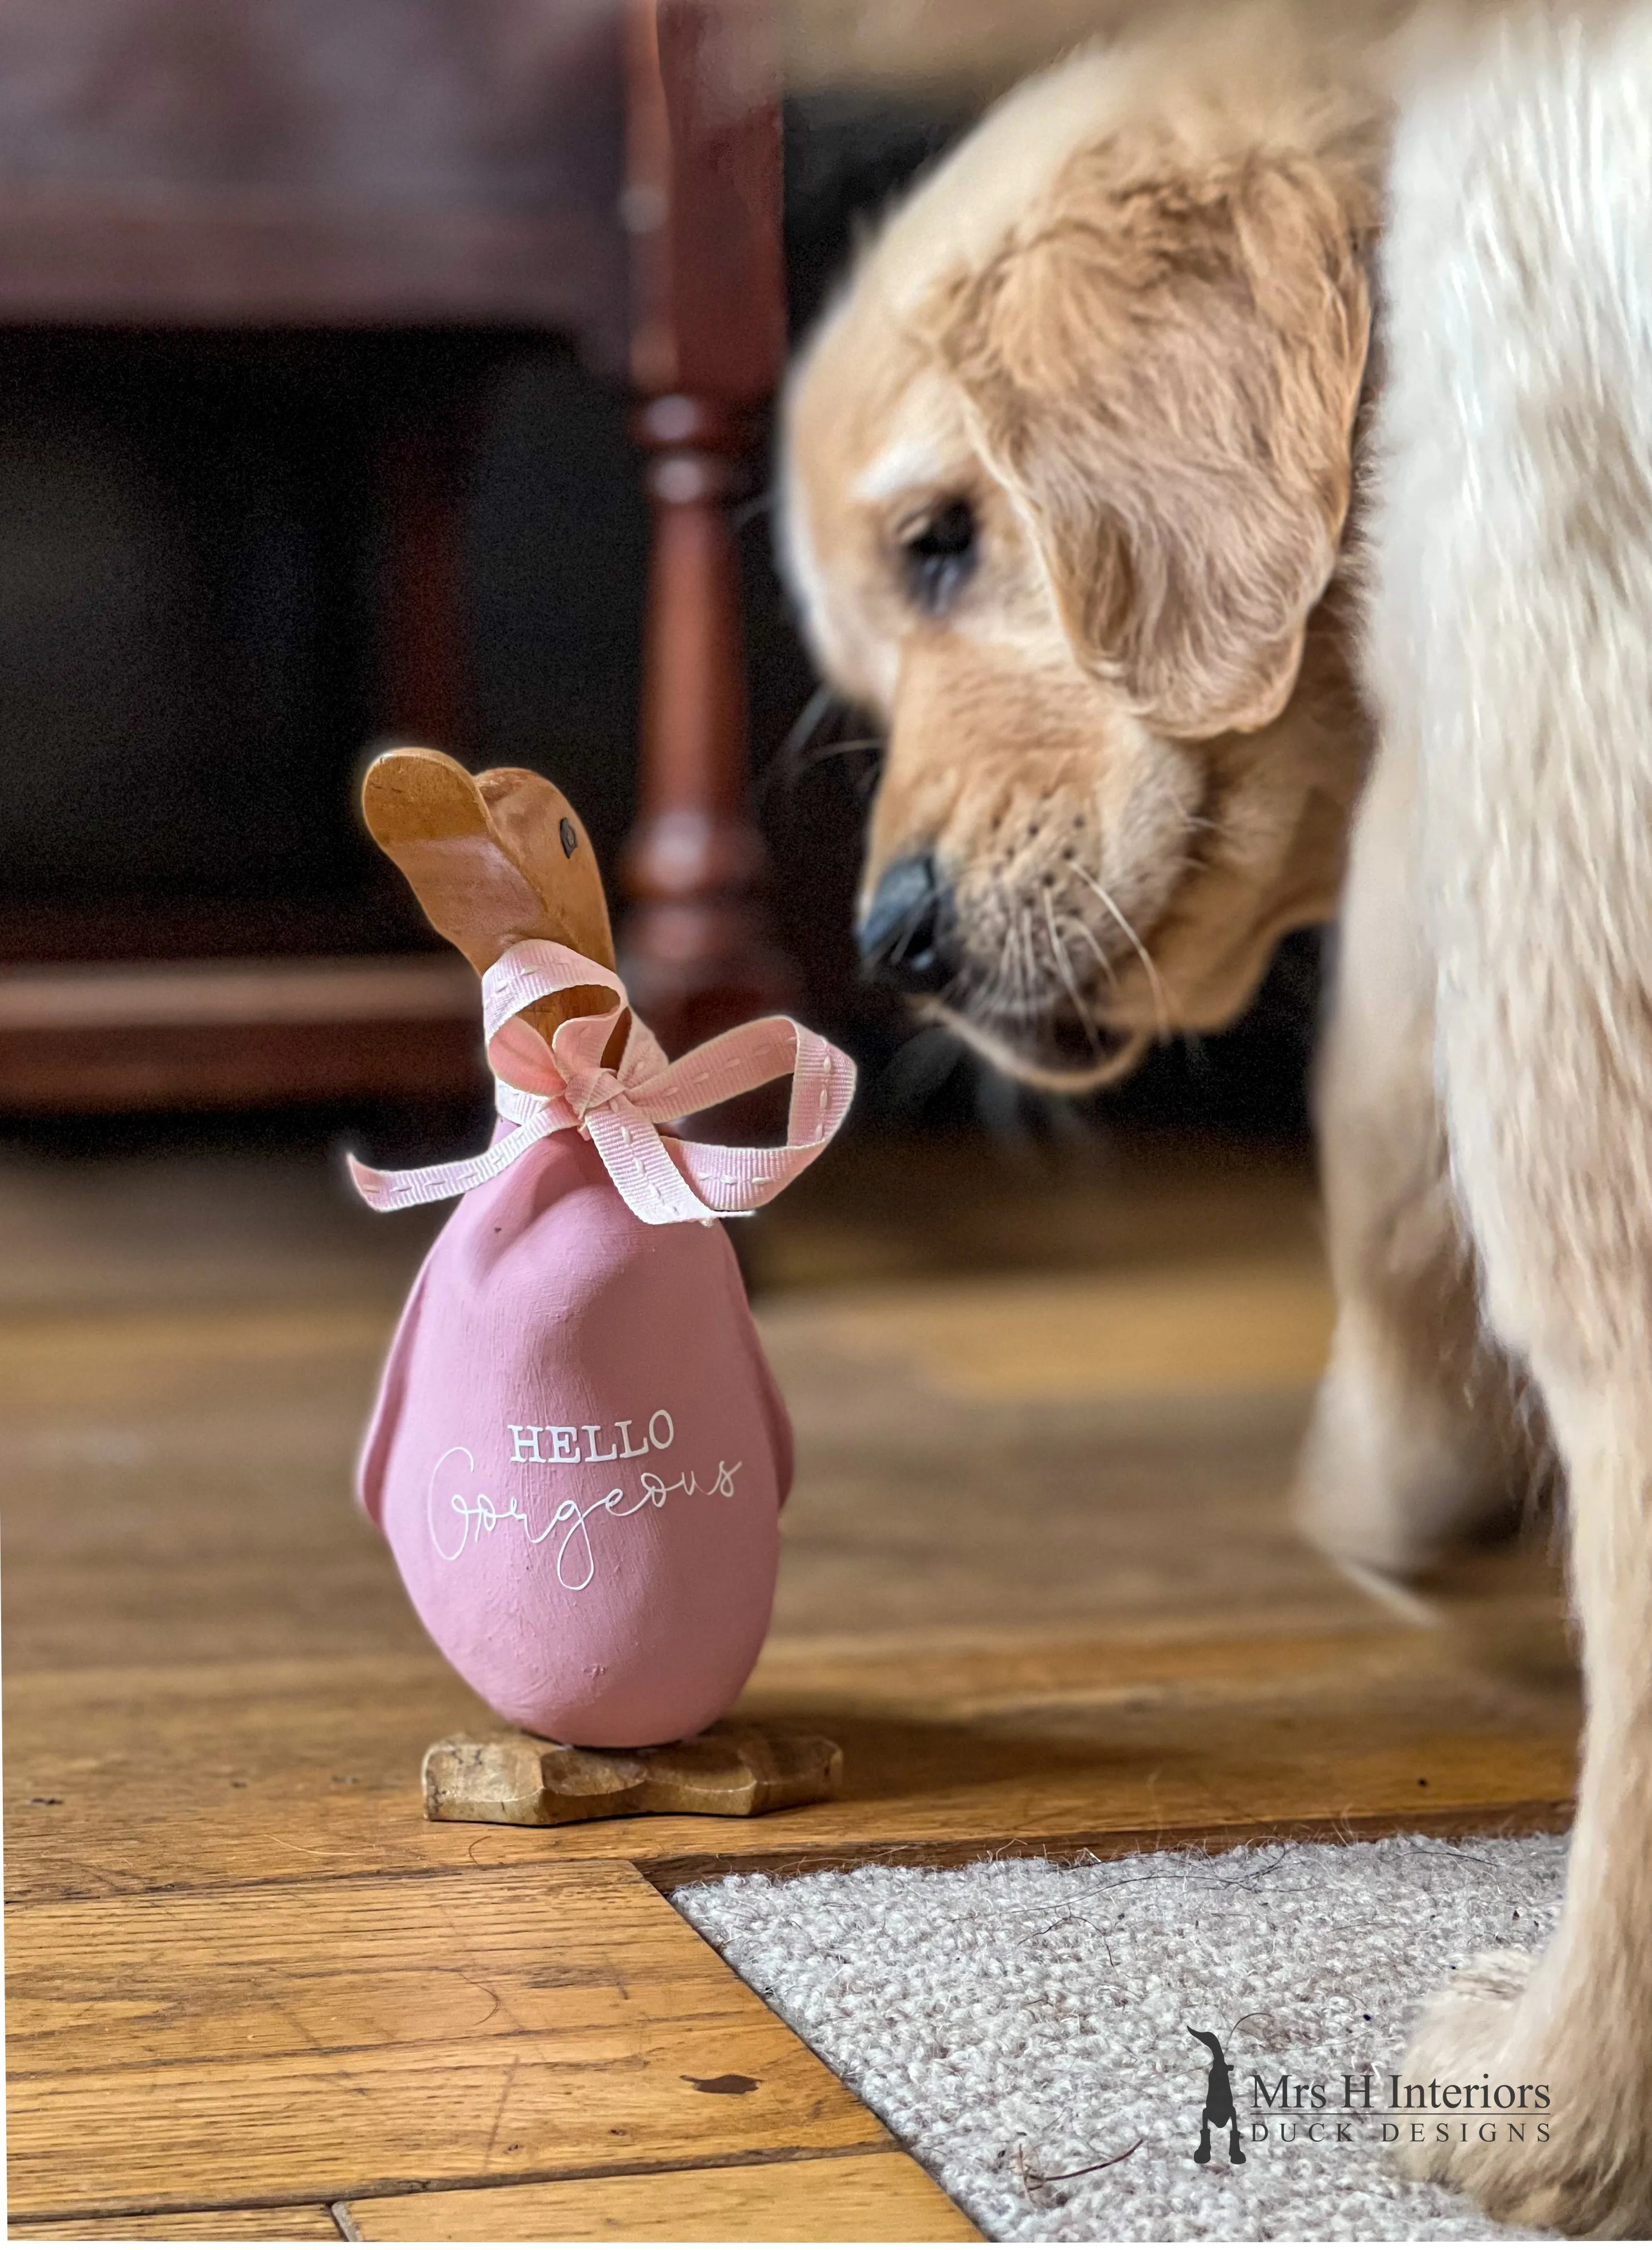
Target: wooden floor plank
(879, 2198)
(126, 1781)
(195, 1506)
(1039, 1579)
(154, 1229)
(1040, 1338)
(315, 2042)
(272, 2223)
(958, 1472)
(199, 1510)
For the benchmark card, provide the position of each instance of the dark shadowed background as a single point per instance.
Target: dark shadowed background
(190, 550)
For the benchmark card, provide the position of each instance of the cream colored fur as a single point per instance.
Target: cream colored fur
(1486, 1084)
(1510, 826)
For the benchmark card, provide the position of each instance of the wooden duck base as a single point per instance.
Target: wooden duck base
(734, 1770)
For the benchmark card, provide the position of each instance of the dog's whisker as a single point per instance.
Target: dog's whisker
(1064, 965)
(1028, 980)
(1105, 965)
(909, 924)
(818, 707)
(1161, 1007)
(805, 763)
(1010, 975)
(760, 504)
(996, 987)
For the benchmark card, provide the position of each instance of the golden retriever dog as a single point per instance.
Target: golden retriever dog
(1066, 475)
(1096, 498)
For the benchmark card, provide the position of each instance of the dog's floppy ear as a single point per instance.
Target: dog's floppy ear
(1163, 364)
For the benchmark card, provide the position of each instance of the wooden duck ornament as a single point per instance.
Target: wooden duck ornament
(579, 1454)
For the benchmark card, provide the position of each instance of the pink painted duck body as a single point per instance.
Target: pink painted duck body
(579, 1455)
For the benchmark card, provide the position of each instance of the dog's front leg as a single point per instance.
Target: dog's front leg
(1417, 1434)
(1559, 1176)
(1513, 583)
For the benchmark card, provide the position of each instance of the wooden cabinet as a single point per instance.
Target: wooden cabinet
(452, 176)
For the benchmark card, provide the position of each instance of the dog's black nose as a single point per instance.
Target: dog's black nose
(905, 934)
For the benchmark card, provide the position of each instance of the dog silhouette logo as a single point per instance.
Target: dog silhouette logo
(1219, 2109)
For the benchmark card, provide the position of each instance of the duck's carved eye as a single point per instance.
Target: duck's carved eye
(938, 556)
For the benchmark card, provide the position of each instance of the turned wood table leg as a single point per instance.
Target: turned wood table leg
(696, 948)
(702, 203)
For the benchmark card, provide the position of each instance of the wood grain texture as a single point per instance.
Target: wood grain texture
(731, 1770)
(873, 1211)
(277, 162)
(316, 2041)
(215, 1458)
(208, 1775)
(1044, 1593)
(881, 2198)
(87, 1239)
(196, 1501)
(144, 996)
(910, 1512)
(708, 344)
(703, 163)
(1066, 1621)
(879, 1212)
(311, 2222)
(1201, 1328)
(116, 1070)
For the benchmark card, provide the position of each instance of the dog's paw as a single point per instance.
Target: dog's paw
(1357, 1500)
(1466, 2031)
(1389, 1479)
(1564, 2153)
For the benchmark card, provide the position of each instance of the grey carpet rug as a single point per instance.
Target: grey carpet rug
(1016, 2023)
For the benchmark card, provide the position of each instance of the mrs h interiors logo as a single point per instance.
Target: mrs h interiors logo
(1257, 2106)
(1219, 2109)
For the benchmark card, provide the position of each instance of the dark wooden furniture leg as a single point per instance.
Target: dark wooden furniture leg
(708, 343)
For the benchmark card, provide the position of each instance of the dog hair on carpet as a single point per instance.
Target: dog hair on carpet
(1013, 2022)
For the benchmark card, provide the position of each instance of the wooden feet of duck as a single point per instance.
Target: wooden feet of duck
(734, 1769)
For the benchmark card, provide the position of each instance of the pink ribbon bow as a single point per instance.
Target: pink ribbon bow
(563, 1087)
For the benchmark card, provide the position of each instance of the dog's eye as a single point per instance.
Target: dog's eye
(938, 557)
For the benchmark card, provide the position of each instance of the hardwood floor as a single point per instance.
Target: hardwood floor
(1039, 1581)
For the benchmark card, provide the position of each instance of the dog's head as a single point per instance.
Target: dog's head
(1066, 475)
